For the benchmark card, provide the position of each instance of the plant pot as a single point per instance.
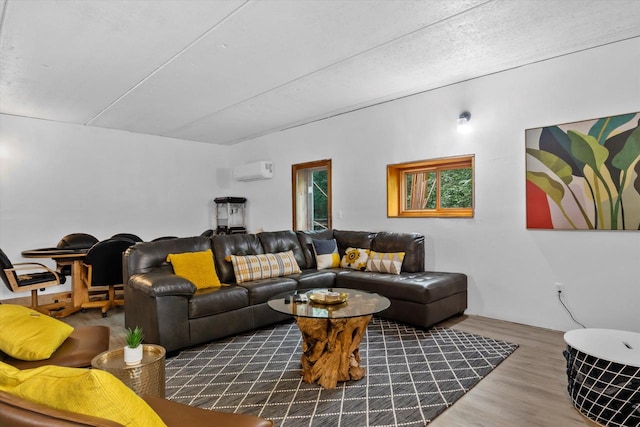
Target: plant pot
(132, 356)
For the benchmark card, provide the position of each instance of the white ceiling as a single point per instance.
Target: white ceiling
(223, 71)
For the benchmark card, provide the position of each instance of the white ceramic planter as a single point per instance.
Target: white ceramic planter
(132, 356)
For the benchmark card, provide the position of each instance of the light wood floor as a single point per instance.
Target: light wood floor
(528, 389)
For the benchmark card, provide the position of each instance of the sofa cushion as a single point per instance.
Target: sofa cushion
(283, 241)
(381, 262)
(306, 238)
(212, 301)
(353, 239)
(355, 259)
(412, 244)
(196, 267)
(85, 391)
(233, 244)
(423, 288)
(144, 257)
(263, 266)
(326, 253)
(26, 334)
(311, 279)
(260, 291)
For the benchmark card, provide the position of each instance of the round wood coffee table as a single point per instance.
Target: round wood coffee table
(331, 333)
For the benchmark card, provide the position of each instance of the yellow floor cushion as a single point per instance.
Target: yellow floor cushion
(84, 391)
(29, 335)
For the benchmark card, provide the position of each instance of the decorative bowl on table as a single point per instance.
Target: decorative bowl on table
(327, 297)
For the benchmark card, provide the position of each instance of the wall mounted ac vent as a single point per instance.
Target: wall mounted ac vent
(253, 171)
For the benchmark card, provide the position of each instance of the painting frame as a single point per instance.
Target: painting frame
(584, 175)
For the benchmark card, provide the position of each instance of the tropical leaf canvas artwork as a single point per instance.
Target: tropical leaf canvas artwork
(584, 175)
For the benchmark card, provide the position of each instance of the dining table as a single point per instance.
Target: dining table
(73, 258)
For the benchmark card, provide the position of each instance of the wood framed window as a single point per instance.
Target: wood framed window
(311, 193)
(431, 188)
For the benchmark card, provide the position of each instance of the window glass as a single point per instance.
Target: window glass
(456, 188)
(421, 190)
(311, 195)
(437, 188)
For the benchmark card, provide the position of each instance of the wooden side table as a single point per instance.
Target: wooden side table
(603, 369)
(147, 377)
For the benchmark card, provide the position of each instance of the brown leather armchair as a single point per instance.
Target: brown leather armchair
(18, 412)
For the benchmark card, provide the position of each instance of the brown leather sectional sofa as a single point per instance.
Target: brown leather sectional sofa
(174, 314)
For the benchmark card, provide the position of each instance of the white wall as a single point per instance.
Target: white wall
(511, 269)
(58, 178)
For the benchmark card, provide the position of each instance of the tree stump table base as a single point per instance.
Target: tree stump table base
(331, 349)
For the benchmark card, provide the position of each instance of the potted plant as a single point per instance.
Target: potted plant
(133, 349)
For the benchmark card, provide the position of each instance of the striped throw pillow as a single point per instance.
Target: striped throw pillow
(263, 266)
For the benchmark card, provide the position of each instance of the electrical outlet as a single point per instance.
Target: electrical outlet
(559, 287)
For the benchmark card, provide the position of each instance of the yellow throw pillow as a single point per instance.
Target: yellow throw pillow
(26, 334)
(196, 267)
(83, 391)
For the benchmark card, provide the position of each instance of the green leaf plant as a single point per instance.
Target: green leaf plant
(134, 337)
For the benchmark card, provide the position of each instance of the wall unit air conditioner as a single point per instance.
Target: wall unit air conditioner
(253, 171)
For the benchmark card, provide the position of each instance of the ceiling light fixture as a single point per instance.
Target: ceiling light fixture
(463, 122)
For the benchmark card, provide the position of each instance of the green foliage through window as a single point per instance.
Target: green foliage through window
(320, 200)
(456, 188)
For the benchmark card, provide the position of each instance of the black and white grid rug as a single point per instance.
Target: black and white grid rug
(412, 376)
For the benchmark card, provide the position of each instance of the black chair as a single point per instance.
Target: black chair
(129, 236)
(103, 268)
(36, 276)
(74, 241)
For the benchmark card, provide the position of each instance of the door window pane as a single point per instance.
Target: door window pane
(312, 195)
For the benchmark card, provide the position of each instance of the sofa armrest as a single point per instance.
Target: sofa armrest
(19, 412)
(158, 302)
(161, 283)
(179, 415)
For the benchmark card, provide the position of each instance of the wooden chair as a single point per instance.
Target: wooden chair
(103, 268)
(35, 276)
